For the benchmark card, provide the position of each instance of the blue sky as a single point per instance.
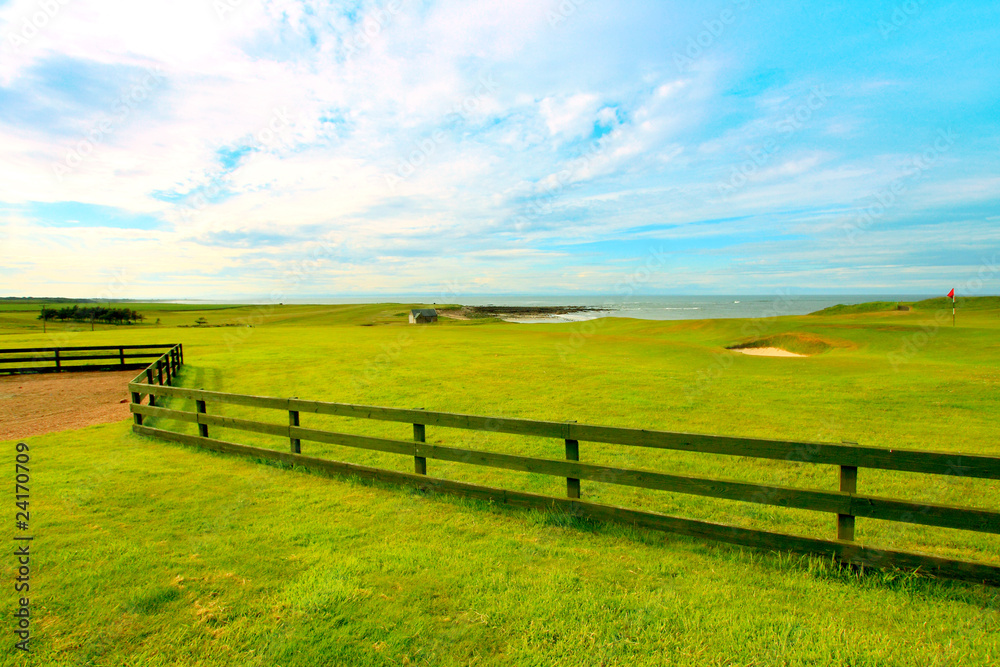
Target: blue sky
(279, 149)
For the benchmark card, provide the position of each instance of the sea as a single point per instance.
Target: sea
(652, 307)
(684, 307)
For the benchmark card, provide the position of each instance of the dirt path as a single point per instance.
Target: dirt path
(36, 404)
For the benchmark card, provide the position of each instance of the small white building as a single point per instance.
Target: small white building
(423, 316)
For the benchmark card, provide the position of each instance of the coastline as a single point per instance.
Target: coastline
(523, 314)
(575, 308)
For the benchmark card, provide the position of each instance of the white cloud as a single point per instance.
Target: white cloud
(572, 117)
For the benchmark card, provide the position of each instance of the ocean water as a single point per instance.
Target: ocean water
(686, 307)
(640, 307)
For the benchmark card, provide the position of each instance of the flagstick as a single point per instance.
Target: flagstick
(953, 309)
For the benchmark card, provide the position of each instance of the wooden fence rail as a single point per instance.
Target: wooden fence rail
(169, 361)
(54, 359)
(846, 504)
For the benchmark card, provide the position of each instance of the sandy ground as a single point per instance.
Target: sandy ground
(768, 352)
(36, 404)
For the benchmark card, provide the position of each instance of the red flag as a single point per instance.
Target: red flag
(951, 294)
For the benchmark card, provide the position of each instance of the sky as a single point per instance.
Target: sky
(246, 148)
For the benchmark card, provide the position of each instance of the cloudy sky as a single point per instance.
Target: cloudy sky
(232, 148)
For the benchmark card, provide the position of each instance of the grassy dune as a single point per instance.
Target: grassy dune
(151, 553)
(868, 307)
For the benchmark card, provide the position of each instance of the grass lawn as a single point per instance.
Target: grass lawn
(150, 553)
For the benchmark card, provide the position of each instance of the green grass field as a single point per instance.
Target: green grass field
(149, 553)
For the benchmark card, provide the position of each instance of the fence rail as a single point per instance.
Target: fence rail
(54, 359)
(847, 504)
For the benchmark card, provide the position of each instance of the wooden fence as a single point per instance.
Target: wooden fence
(66, 359)
(847, 504)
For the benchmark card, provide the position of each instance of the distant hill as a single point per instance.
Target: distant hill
(869, 307)
(963, 303)
(46, 300)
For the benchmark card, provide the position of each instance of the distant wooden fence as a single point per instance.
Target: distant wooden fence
(21, 360)
(846, 504)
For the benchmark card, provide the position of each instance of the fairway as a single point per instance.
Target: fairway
(198, 558)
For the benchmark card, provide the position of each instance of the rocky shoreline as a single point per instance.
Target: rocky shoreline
(476, 312)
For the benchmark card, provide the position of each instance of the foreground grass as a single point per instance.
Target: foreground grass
(151, 553)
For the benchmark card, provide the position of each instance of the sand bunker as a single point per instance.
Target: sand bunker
(791, 344)
(767, 352)
(36, 404)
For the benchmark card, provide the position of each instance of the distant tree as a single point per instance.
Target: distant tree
(92, 314)
(201, 321)
(47, 314)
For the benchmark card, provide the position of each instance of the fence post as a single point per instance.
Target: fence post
(121, 355)
(848, 484)
(419, 462)
(58, 362)
(137, 399)
(180, 352)
(159, 371)
(572, 454)
(293, 420)
(170, 379)
(202, 428)
(149, 381)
